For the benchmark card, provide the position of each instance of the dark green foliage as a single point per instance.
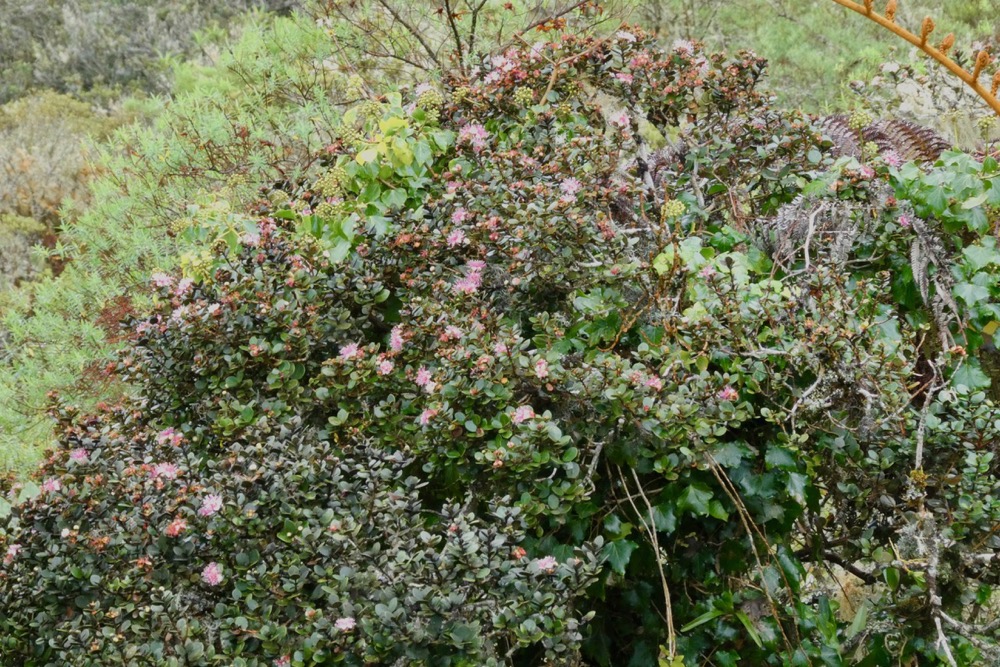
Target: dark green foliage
(732, 361)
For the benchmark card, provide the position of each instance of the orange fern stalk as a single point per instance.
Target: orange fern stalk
(940, 54)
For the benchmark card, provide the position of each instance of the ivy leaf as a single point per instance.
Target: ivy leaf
(695, 498)
(619, 553)
(981, 256)
(971, 376)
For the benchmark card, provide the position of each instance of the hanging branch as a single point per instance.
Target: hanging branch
(939, 53)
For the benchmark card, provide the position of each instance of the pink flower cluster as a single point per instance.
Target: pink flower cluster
(396, 339)
(473, 278)
(350, 351)
(167, 470)
(12, 552)
(162, 280)
(475, 135)
(547, 564)
(51, 485)
(426, 416)
(210, 504)
(212, 574)
(424, 380)
(176, 527)
(523, 413)
(171, 436)
(728, 394)
(385, 366)
(345, 624)
(78, 455)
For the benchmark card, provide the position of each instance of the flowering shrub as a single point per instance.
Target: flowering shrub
(287, 548)
(501, 309)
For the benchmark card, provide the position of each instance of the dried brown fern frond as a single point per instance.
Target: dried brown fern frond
(921, 42)
(907, 140)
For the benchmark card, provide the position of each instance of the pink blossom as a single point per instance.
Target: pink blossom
(162, 280)
(169, 435)
(168, 470)
(500, 349)
(210, 504)
(475, 135)
(12, 551)
(523, 413)
(79, 454)
(707, 272)
(176, 527)
(893, 159)
(349, 352)
(621, 120)
(345, 624)
(283, 661)
(385, 367)
(866, 171)
(624, 77)
(212, 574)
(570, 186)
(423, 377)
(684, 46)
(542, 368)
(451, 332)
(51, 485)
(457, 237)
(654, 382)
(905, 221)
(476, 265)
(547, 564)
(251, 239)
(184, 286)
(426, 416)
(728, 394)
(469, 284)
(396, 338)
(459, 216)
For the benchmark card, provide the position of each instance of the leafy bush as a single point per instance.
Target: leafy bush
(17, 236)
(601, 285)
(78, 47)
(44, 156)
(286, 550)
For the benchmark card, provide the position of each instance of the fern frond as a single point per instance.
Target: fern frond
(938, 54)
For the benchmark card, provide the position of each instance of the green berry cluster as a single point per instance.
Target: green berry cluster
(870, 150)
(330, 184)
(524, 96)
(859, 120)
(370, 109)
(326, 210)
(278, 198)
(672, 208)
(461, 95)
(350, 135)
(430, 99)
